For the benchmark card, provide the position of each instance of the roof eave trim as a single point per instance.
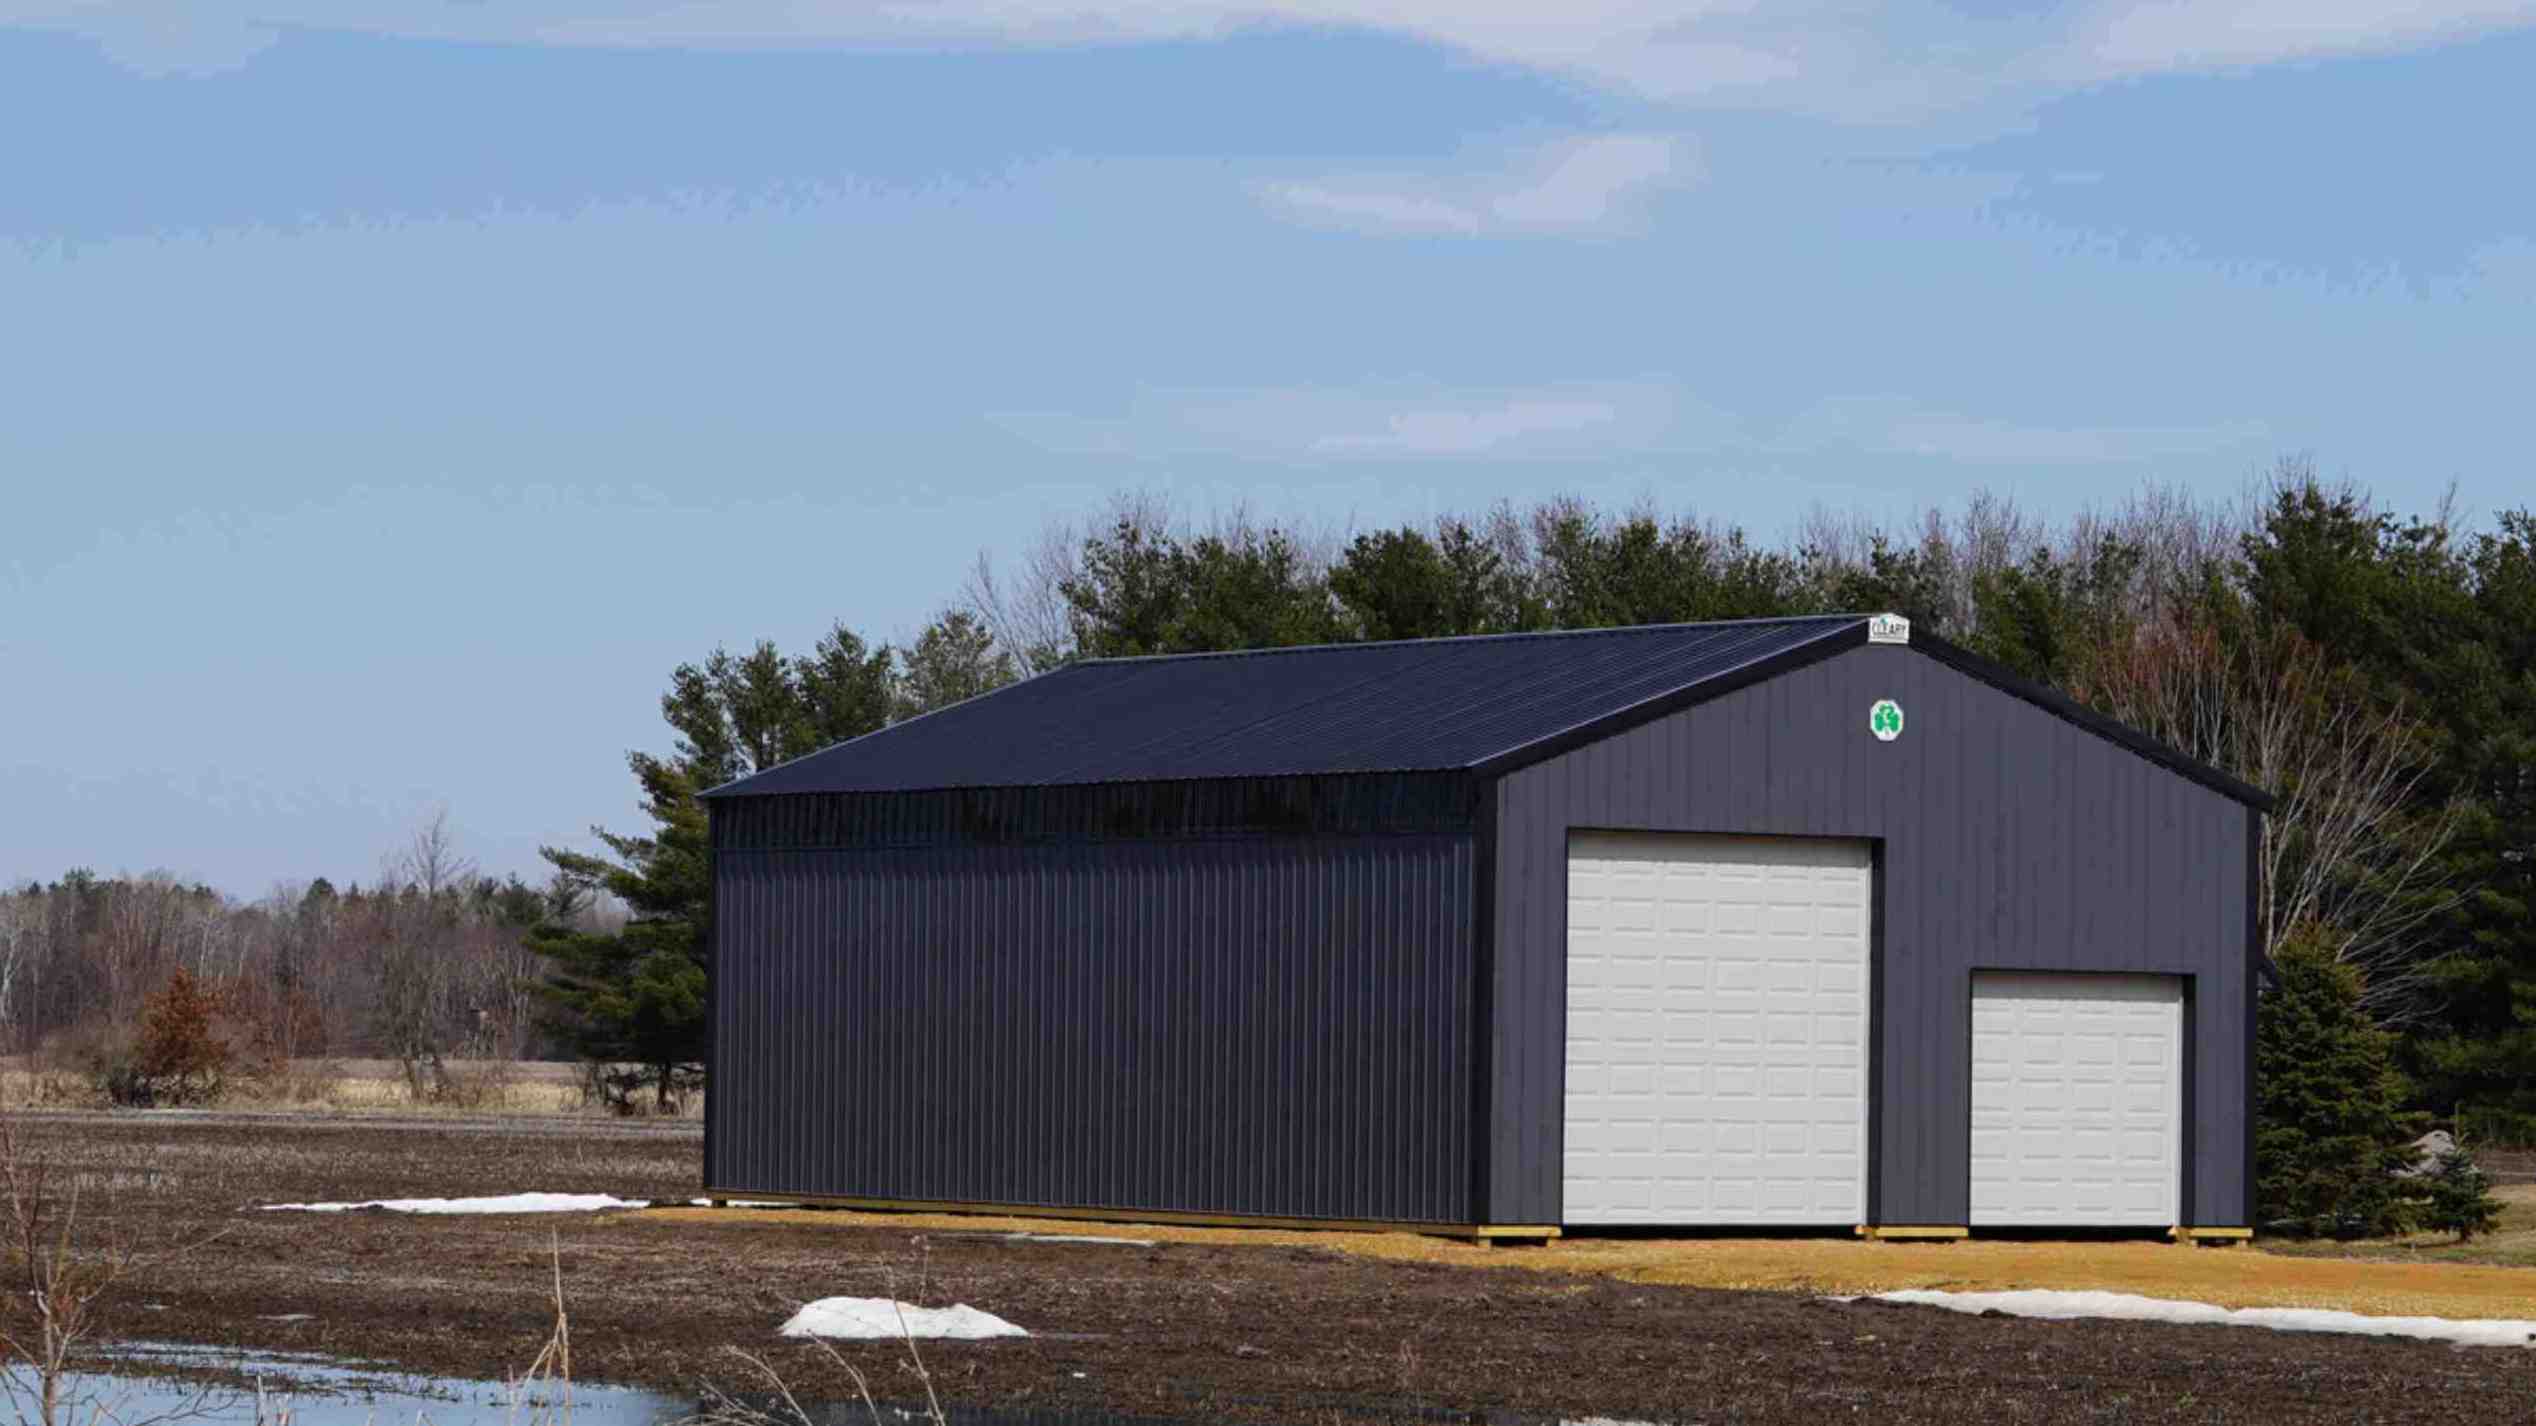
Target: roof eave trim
(1086, 784)
(1838, 639)
(1965, 661)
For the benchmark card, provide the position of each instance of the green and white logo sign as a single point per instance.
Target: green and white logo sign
(1885, 720)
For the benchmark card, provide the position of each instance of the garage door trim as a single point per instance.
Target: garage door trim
(2159, 1000)
(1830, 861)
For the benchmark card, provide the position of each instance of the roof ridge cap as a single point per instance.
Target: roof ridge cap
(1600, 630)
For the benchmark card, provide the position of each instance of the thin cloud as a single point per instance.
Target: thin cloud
(152, 38)
(2171, 35)
(1647, 416)
(1469, 432)
(1416, 421)
(1585, 186)
(1370, 209)
(1848, 59)
(1898, 426)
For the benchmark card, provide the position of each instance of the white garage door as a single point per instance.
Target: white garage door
(2077, 1099)
(1716, 1030)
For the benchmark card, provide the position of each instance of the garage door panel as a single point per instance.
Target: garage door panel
(2077, 1100)
(1747, 958)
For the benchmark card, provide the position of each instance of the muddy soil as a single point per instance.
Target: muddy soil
(1266, 1333)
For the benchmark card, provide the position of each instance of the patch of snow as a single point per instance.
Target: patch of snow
(744, 1203)
(2127, 1307)
(506, 1203)
(1076, 1238)
(880, 1318)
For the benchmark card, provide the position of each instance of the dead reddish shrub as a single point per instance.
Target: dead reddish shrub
(179, 1057)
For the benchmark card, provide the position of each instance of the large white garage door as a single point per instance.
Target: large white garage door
(1716, 1029)
(2077, 1099)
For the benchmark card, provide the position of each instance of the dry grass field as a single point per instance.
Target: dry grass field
(2386, 1279)
(351, 1086)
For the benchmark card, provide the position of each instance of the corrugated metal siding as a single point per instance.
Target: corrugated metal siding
(2013, 840)
(1263, 1025)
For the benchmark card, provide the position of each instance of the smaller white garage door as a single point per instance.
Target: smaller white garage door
(2077, 1100)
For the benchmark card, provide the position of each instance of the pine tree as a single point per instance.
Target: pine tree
(636, 997)
(1405, 584)
(1142, 588)
(2460, 1199)
(2328, 1142)
(953, 660)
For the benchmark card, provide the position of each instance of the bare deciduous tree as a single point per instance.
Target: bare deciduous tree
(25, 934)
(1026, 609)
(416, 1016)
(2343, 848)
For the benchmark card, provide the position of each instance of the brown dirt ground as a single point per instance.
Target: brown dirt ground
(1204, 1324)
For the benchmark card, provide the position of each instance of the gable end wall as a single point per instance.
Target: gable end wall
(2008, 838)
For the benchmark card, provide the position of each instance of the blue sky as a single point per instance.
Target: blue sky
(392, 392)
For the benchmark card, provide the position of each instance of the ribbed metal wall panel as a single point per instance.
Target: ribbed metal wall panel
(1256, 1025)
(2012, 840)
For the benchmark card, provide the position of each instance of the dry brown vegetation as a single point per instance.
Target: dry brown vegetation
(2424, 1277)
(351, 1086)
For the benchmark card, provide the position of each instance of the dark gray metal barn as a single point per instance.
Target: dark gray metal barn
(1796, 921)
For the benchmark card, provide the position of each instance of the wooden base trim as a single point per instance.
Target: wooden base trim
(1472, 1232)
(2211, 1237)
(1913, 1232)
(1492, 1234)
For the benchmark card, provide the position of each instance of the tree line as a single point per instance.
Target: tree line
(428, 966)
(2374, 669)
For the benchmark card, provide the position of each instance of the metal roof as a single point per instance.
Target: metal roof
(1481, 704)
(1413, 705)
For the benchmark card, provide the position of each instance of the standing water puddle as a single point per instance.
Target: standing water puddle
(182, 1382)
(174, 1381)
